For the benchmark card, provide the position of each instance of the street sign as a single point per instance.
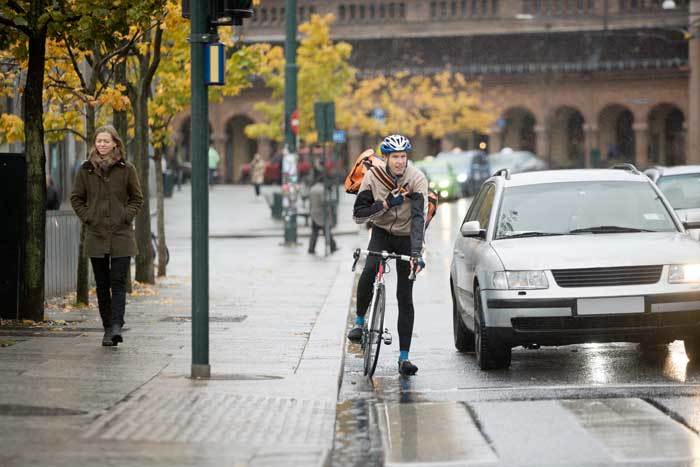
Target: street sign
(214, 64)
(294, 122)
(338, 136)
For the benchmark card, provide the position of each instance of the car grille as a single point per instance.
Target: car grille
(613, 322)
(600, 277)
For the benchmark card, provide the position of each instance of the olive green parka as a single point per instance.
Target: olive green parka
(107, 206)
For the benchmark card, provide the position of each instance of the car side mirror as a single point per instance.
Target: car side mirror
(690, 220)
(472, 229)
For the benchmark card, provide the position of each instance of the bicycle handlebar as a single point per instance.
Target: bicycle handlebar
(382, 254)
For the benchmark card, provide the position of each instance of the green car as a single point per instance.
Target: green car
(442, 178)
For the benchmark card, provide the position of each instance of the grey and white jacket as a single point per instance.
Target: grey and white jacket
(407, 219)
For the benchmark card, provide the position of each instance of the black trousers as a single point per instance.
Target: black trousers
(383, 240)
(315, 230)
(110, 275)
(257, 189)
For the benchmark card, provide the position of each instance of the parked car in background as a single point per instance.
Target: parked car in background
(571, 256)
(441, 177)
(472, 168)
(515, 161)
(681, 186)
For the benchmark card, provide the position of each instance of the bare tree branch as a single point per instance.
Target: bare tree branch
(69, 130)
(23, 29)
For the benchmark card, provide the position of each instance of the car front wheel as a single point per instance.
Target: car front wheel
(490, 354)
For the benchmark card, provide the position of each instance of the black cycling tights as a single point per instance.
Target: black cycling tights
(383, 240)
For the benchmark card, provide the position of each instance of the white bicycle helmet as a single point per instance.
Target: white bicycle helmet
(395, 143)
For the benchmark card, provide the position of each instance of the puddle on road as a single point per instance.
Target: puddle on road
(432, 432)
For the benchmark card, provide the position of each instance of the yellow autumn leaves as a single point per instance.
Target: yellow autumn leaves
(436, 105)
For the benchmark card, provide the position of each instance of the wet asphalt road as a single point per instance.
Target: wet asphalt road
(591, 404)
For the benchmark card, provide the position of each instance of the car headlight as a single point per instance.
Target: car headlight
(461, 178)
(683, 273)
(431, 184)
(444, 194)
(444, 183)
(519, 280)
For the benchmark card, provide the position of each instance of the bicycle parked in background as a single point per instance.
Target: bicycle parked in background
(374, 332)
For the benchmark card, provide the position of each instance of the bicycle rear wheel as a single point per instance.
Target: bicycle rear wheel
(374, 332)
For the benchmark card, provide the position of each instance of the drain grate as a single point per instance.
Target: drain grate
(212, 319)
(15, 410)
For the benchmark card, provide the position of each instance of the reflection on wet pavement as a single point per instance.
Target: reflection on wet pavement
(435, 432)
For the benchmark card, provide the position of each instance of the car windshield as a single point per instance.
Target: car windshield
(583, 208)
(682, 191)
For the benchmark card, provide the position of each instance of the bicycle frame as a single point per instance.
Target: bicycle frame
(374, 332)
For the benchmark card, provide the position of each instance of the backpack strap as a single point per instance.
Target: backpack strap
(383, 178)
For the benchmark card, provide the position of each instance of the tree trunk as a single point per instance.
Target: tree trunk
(31, 302)
(144, 260)
(162, 255)
(82, 292)
(121, 124)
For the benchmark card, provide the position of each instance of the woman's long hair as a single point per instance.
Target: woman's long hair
(118, 149)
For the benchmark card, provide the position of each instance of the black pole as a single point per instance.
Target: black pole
(200, 195)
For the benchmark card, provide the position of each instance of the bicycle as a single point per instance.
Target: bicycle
(373, 331)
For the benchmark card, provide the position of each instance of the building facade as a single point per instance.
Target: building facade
(579, 82)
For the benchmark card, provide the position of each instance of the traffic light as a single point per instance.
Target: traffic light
(224, 12)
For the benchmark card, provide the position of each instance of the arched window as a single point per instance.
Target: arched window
(341, 12)
(392, 10)
(362, 11)
(382, 11)
(273, 14)
(263, 15)
(402, 10)
(494, 7)
(371, 12)
(433, 9)
(353, 12)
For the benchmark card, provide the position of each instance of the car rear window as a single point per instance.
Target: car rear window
(682, 191)
(560, 208)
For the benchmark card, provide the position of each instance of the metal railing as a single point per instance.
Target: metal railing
(62, 244)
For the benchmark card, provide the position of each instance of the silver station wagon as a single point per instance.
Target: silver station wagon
(573, 256)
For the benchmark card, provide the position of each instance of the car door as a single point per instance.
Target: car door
(467, 248)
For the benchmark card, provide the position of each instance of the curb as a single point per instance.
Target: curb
(325, 350)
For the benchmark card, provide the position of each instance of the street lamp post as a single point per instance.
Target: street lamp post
(290, 106)
(200, 196)
(204, 16)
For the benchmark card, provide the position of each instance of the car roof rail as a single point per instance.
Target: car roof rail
(627, 166)
(502, 172)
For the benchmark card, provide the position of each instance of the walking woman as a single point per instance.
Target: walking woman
(106, 197)
(257, 172)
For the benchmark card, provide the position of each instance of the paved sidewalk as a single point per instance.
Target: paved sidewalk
(276, 344)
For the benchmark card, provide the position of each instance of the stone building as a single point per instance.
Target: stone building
(579, 82)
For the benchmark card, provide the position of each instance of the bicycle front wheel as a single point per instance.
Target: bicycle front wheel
(375, 330)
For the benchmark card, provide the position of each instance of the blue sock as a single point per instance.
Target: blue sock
(403, 355)
(360, 320)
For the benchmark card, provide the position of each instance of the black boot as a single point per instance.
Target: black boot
(107, 338)
(117, 334)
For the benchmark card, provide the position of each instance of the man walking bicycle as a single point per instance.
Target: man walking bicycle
(394, 198)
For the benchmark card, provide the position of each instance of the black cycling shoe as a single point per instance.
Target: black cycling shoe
(355, 334)
(407, 368)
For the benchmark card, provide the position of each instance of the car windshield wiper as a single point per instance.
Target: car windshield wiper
(531, 234)
(609, 229)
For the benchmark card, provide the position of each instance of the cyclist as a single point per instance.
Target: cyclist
(394, 199)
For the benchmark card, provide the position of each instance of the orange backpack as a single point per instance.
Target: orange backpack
(368, 160)
(364, 162)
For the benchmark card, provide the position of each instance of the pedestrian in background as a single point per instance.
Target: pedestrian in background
(257, 172)
(53, 201)
(214, 159)
(106, 197)
(319, 214)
